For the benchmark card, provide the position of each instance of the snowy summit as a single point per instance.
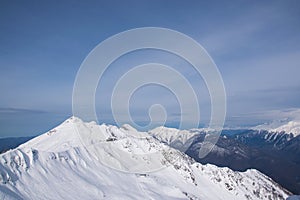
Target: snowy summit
(79, 160)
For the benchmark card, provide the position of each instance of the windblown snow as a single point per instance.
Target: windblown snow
(79, 160)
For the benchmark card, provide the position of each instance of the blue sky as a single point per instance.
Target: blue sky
(255, 44)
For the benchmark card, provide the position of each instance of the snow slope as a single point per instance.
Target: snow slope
(79, 160)
(179, 139)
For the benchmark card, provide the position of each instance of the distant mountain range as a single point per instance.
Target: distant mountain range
(79, 160)
(275, 152)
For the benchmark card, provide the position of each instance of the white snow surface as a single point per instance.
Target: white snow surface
(75, 161)
(171, 135)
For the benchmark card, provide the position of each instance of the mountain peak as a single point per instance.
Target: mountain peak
(291, 127)
(288, 127)
(81, 160)
(128, 127)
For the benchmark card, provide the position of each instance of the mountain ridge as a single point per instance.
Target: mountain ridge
(273, 153)
(84, 160)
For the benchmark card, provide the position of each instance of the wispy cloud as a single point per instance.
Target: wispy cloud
(19, 110)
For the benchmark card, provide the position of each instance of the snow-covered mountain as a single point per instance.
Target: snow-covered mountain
(79, 160)
(273, 152)
(282, 126)
(291, 127)
(178, 139)
(279, 132)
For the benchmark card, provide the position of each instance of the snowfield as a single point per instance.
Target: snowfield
(79, 160)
